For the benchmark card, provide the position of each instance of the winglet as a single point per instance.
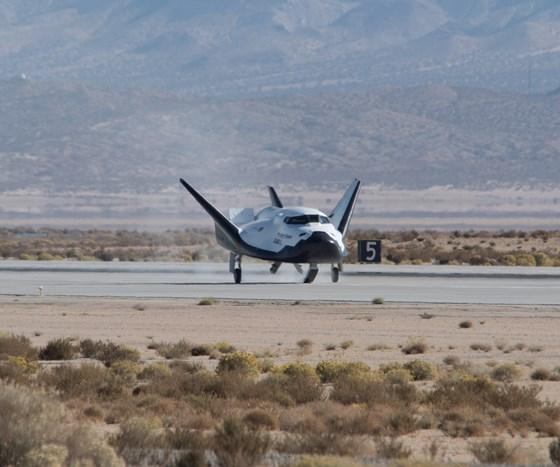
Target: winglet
(274, 198)
(343, 211)
(228, 227)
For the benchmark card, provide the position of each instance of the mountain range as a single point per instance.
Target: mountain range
(236, 48)
(57, 137)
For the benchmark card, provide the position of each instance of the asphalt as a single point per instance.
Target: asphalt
(412, 284)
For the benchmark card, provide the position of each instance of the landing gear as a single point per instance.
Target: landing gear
(335, 272)
(237, 275)
(274, 268)
(311, 274)
(235, 267)
(298, 268)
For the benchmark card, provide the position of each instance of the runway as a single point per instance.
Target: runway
(360, 283)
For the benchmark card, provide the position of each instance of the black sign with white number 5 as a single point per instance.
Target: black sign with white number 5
(369, 251)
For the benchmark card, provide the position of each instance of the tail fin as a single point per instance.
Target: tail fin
(274, 199)
(228, 227)
(343, 211)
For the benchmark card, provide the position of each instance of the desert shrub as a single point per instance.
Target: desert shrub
(478, 347)
(82, 381)
(397, 376)
(126, 370)
(378, 301)
(140, 433)
(260, 419)
(421, 370)
(415, 347)
(465, 324)
(493, 452)
(201, 350)
(426, 315)
(452, 360)
(154, 371)
(305, 346)
(194, 458)
(325, 461)
(108, 352)
(235, 444)
(224, 347)
(506, 372)
(539, 421)
(137, 436)
(28, 423)
(462, 423)
(58, 349)
(297, 386)
(329, 370)
(448, 394)
(207, 302)
(541, 374)
(315, 442)
(181, 349)
(296, 369)
(16, 346)
(243, 362)
(400, 422)
(375, 347)
(391, 448)
(535, 348)
(371, 390)
(330, 347)
(345, 345)
(554, 451)
(525, 260)
(17, 370)
(94, 411)
(36, 431)
(185, 438)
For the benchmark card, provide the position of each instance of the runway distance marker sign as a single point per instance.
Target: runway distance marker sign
(369, 251)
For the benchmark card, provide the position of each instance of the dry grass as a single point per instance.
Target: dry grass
(332, 408)
(16, 346)
(493, 452)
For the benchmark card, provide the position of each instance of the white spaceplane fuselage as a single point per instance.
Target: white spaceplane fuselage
(285, 234)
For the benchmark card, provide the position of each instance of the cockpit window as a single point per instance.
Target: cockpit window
(307, 219)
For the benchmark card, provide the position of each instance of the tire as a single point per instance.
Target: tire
(237, 276)
(335, 273)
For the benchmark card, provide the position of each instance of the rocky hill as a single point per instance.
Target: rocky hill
(62, 137)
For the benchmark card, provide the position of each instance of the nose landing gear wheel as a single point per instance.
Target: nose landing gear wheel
(237, 275)
(311, 274)
(335, 272)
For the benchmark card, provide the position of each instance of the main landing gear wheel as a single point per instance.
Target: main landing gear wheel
(274, 267)
(237, 275)
(335, 272)
(311, 274)
(235, 267)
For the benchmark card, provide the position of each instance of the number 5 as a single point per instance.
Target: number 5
(370, 250)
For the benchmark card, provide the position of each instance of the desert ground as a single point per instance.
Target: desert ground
(525, 336)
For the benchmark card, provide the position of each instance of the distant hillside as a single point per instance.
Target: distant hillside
(61, 137)
(253, 47)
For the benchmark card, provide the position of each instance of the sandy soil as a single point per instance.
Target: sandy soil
(275, 328)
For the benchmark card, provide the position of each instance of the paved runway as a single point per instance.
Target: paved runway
(428, 284)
